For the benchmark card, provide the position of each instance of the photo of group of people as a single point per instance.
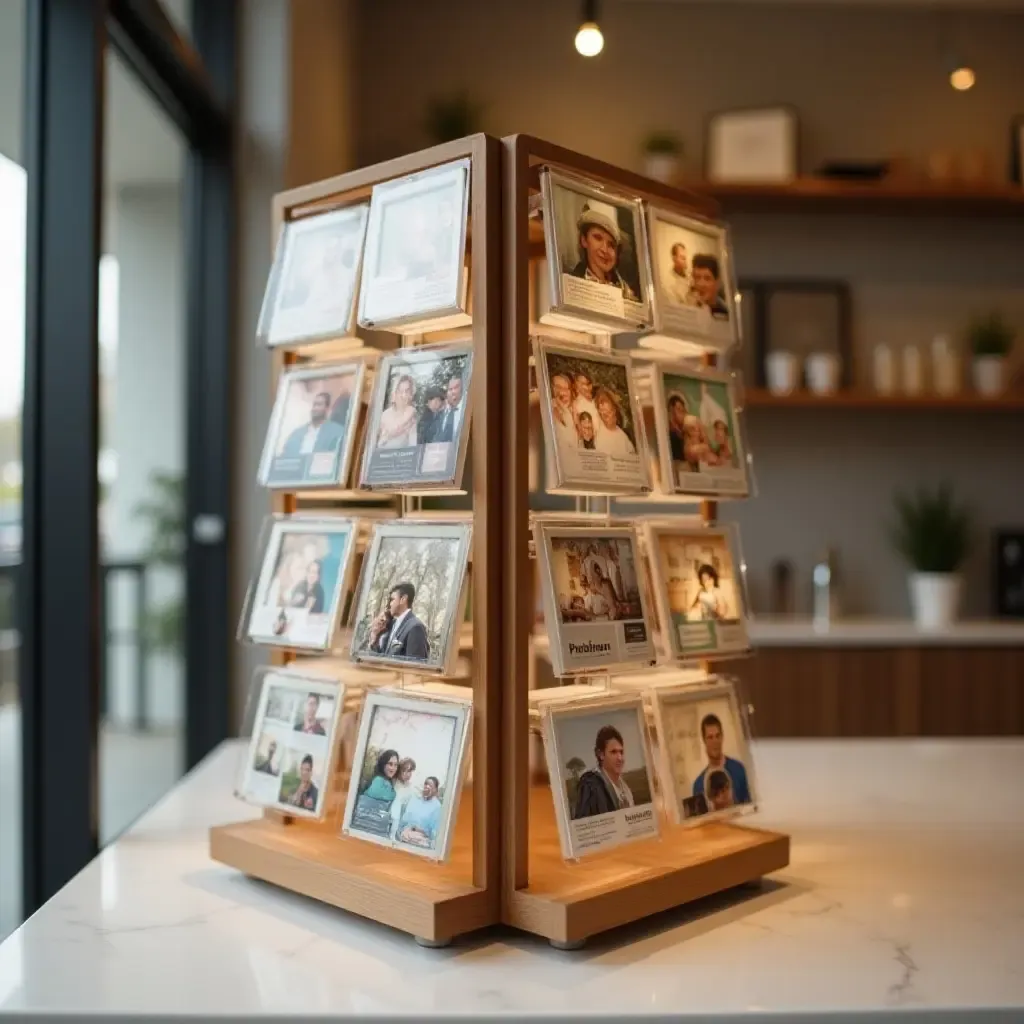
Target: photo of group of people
(600, 774)
(296, 596)
(597, 255)
(407, 609)
(700, 594)
(705, 754)
(415, 248)
(288, 756)
(313, 281)
(406, 773)
(595, 434)
(419, 418)
(698, 436)
(312, 427)
(594, 603)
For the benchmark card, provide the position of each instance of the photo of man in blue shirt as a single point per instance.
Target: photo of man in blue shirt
(422, 816)
(712, 735)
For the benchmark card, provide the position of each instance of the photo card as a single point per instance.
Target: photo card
(599, 765)
(699, 587)
(290, 754)
(593, 426)
(409, 607)
(694, 287)
(707, 772)
(407, 772)
(414, 274)
(314, 279)
(313, 427)
(298, 594)
(418, 423)
(593, 594)
(597, 256)
(701, 448)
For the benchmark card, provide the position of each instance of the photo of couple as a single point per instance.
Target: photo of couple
(406, 772)
(419, 418)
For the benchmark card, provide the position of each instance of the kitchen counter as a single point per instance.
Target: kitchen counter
(904, 893)
(801, 631)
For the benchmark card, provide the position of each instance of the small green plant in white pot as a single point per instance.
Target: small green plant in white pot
(663, 154)
(933, 534)
(991, 339)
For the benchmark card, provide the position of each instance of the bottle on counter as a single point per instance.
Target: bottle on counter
(826, 590)
(782, 588)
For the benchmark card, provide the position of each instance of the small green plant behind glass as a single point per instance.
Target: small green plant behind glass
(452, 117)
(662, 143)
(990, 335)
(932, 532)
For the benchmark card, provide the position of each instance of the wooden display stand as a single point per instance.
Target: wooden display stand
(506, 864)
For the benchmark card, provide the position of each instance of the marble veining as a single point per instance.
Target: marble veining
(905, 892)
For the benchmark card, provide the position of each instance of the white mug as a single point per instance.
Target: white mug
(783, 372)
(822, 372)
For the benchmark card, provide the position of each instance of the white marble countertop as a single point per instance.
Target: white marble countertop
(801, 631)
(905, 893)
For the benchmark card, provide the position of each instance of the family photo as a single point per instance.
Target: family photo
(315, 277)
(704, 750)
(596, 579)
(420, 415)
(311, 428)
(409, 594)
(406, 773)
(297, 593)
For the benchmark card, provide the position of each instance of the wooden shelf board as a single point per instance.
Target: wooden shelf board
(807, 194)
(567, 901)
(756, 398)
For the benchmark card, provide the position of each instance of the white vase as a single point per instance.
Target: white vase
(822, 370)
(988, 374)
(934, 598)
(663, 167)
(782, 370)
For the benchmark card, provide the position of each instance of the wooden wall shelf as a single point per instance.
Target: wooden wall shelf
(815, 195)
(759, 398)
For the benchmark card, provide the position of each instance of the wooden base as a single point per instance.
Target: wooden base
(569, 902)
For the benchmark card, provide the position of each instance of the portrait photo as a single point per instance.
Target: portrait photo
(596, 252)
(407, 772)
(289, 753)
(700, 443)
(297, 596)
(313, 427)
(694, 294)
(594, 430)
(415, 249)
(600, 773)
(418, 425)
(408, 608)
(314, 280)
(594, 600)
(707, 770)
(700, 590)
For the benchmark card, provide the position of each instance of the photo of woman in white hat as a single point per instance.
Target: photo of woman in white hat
(599, 238)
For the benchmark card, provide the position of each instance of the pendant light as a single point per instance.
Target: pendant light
(589, 40)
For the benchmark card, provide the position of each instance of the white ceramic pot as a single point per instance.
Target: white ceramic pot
(822, 370)
(782, 370)
(663, 167)
(884, 370)
(934, 598)
(988, 374)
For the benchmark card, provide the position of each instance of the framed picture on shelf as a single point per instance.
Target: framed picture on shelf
(597, 257)
(753, 146)
(699, 588)
(297, 596)
(694, 289)
(592, 422)
(599, 765)
(407, 773)
(706, 769)
(313, 427)
(314, 279)
(418, 421)
(415, 275)
(408, 607)
(289, 757)
(700, 440)
(592, 589)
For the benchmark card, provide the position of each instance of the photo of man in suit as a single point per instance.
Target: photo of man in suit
(321, 434)
(445, 427)
(397, 632)
(712, 735)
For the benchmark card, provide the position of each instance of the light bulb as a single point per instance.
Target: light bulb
(589, 41)
(961, 78)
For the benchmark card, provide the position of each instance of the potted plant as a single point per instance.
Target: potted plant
(663, 152)
(991, 339)
(933, 533)
(452, 117)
